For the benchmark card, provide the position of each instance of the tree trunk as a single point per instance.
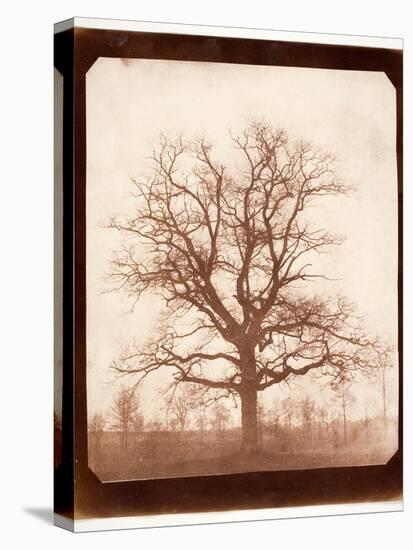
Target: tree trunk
(249, 443)
(249, 409)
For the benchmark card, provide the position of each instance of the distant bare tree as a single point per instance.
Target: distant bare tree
(220, 416)
(97, 426)
(344, 397)
(96, 429)
(366, 421)
(125, 410)
(261, 418)
(270, 417)
(154, 425)
(307, 412)
(324, 418)
(138, 423)
(201, 419)
(226, 250)
(335, 426)
(180, 405)
(385, 363)
(288, 408)
(274, 415)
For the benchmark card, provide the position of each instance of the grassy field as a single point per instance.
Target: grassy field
(181, 454)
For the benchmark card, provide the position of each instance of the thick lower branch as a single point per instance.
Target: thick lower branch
(278, 376)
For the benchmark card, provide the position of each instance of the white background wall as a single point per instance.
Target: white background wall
(26, 273)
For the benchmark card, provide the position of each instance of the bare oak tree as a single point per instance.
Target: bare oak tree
(230, 250)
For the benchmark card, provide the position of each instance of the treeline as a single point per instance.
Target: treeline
(188, 432)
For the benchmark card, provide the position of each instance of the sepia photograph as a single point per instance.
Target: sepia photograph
(241, 268)
(205, 290)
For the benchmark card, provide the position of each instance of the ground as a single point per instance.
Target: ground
(183, 454)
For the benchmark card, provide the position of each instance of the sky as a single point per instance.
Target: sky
(350, 113)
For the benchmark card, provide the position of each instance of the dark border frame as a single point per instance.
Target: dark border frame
(78, 491)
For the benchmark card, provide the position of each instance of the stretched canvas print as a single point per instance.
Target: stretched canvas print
(227, 276)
